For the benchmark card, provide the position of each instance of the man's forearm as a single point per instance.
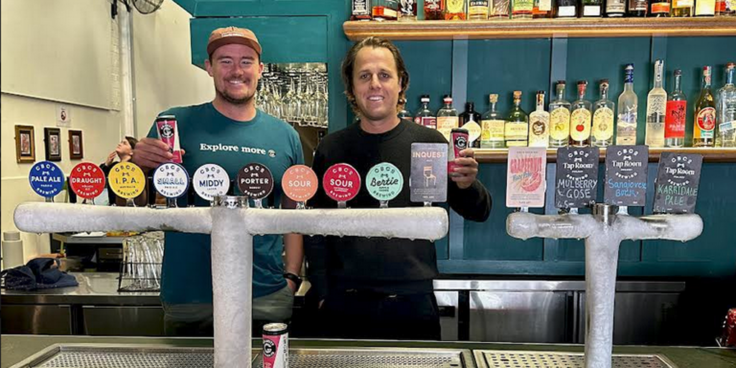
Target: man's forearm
(294, 247)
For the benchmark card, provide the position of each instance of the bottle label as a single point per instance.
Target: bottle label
(408, 8)
(360, 7)
(727, 127)
(493, 130)
(566, 11)
(538, 129)
(615, 6)
(456, 6)
(517, 132)
(544, 5)
(428, 121)
(500, 8)
(661, 8)
(445, 125)
(638, 5)
(434, 5)
(523, 6)
(674, 121)
(603, 124)
(682, 3)
(626, 131)
(705, 7)
(705, 123)
(580, 125)
(560, 124)
(473, 129)
(592, 11)
(478, 9)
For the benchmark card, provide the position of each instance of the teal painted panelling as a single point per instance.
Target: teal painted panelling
(488, 240)
(503, 66)
(430, 71)
(284, 39)
(690, 54)
(188, 5)
(593, 59)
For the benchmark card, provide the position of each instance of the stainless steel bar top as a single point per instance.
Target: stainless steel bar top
(549, 285)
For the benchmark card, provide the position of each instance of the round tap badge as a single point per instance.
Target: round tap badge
(341, 182)
(255, 181)
(211, 180)
(384, 181)
(299, 183)
(127, 180)
(46, 179)
(171, 180)
(87, 180)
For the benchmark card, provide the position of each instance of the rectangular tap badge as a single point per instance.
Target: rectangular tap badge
(676, 186)
(428, 181)
(526, 177)
(626, 176)
(576, 179)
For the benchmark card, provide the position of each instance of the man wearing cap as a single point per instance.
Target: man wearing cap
(230, 120)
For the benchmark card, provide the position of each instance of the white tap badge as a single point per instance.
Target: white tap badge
(210, 180)
(171, 180)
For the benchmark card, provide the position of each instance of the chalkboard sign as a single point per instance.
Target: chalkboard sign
(626, 175)
(577, 176)
(676, 186)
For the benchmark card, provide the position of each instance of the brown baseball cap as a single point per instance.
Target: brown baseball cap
(228, 35)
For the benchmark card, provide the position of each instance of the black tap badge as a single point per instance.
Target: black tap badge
(577, 176)
(428, 181)
(626, 176)
(676, 186)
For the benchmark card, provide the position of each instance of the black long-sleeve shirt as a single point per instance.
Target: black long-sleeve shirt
(395, 266)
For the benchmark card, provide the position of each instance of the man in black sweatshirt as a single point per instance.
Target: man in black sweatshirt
(380, 288)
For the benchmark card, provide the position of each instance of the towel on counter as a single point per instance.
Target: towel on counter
(39, 273)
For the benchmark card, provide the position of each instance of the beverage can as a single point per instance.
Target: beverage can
(168, 132)
(276, 345)
(458, 142)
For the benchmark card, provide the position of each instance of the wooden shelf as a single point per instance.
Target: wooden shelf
(709, 154)
(542, 28)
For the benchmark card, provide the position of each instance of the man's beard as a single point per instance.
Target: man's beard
(235, 101)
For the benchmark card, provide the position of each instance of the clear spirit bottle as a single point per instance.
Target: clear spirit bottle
(660, 8)
(674, 122)
(539, 124)
(566, 9)
(627, 114)
(580, 118)
(478, 9)
(656, 109)
(470, 121)
(447, 118)
(559, 110)
(592, 8)
(615, 8)
(682, 8)
(726, 108)
(705, 114)
(424, 115)
(404, 114)
(638, 8)
(603, 119)
(492, 133)
(516, 129)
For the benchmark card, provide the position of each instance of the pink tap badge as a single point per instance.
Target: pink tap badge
(87, 180)
(299, 183)
(341, 182)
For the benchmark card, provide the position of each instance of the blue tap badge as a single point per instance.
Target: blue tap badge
(46, 179)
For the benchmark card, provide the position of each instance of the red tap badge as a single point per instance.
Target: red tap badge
(341, 182)
(87, 180)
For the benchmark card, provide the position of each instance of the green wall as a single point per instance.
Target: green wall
(311, 31)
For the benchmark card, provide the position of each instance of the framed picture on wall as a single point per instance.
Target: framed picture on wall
(76, 146)
(25, 149)
(52, 141)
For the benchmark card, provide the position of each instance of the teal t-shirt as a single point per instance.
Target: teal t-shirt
(207, 136)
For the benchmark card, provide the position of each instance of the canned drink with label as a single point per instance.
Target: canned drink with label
(168, 132)
(276, 345)
(458, 142)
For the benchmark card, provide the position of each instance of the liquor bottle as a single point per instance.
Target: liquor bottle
(542, 9)
(638, 8)
(404, 114)
(447, 118)
(559, 111)
(361, 10)
(469, 120)
(424, 115)
(493, 125)
(592, 8)
(725, 8)
(566, 9)
(580, 118)
(726, 110)
(385, 10)
(705, 114)
(656, 109)
(521, 9)
(615, 8)
(705, 8)
(478, 9)
(602, 135)
(455, 10)
(539, 124)
(434, 10)
(682, 8)
(407, 10)
(516, 130)
(500, 9)
(675, 120)
(660, 8)
(627, 114)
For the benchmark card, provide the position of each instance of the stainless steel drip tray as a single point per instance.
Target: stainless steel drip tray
(161, 356)
(545, 359)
